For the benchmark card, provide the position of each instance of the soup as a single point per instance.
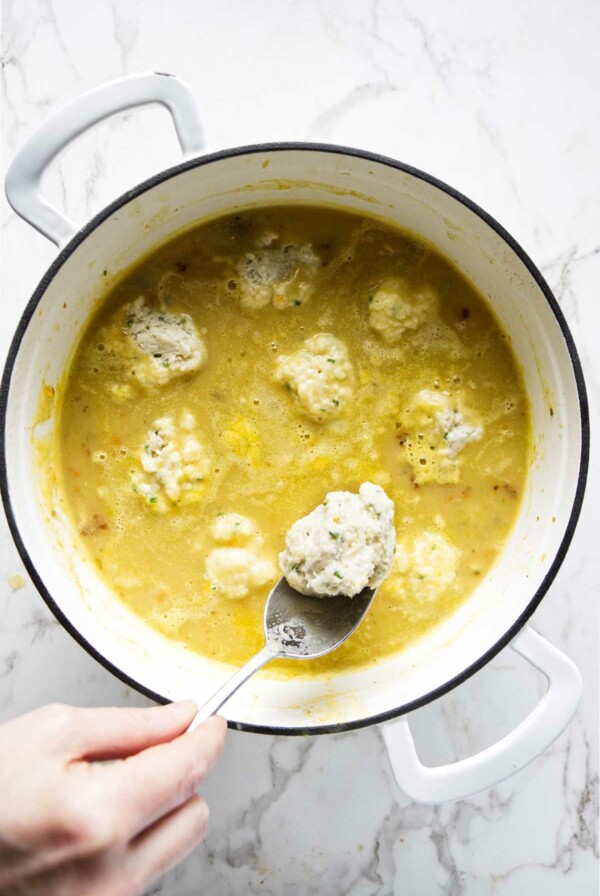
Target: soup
(255, 363)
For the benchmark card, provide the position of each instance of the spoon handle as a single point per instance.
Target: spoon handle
(214, 703)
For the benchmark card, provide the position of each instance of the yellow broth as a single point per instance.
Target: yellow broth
(268, 461)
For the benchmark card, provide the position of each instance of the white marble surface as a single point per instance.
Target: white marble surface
(501, 100)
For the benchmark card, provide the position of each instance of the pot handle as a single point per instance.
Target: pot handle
(24, 175)
(531, 737)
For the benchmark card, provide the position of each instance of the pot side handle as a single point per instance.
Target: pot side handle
(25, 173)
(529, 739)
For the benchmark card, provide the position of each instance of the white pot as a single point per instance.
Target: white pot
(199, 187)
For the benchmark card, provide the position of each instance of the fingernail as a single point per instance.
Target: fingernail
(214, 722)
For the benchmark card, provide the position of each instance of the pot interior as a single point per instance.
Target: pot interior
(264, 176)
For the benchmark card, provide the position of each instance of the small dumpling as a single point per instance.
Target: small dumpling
(395, 307)
(237, 566)
(235, 529)
(277, 273)
(234, 572)
(320, 375)
(424, 568)
(168, 342)
(435, 429)
(174, 464)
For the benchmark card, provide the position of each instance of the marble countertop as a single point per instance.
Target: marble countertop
(502, 102)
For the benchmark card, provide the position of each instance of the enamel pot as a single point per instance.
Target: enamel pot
(205, 185)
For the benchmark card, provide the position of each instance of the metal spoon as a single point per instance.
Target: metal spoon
(296, 627)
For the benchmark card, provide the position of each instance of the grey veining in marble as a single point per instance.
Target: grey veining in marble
(500, 100)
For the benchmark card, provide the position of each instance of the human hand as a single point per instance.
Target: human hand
(71, 825)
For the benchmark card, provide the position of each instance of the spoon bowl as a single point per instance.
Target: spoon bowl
(302, 627)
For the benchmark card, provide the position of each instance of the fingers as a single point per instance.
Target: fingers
(111, 733)
(161, 778)
(126, 868)
(167, 842)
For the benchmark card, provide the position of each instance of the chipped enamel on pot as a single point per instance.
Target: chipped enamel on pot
(201, 187)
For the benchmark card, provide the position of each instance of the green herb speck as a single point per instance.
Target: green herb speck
(335, 534)
(338, 575)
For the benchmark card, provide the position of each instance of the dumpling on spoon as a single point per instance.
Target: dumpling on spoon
(344, 545)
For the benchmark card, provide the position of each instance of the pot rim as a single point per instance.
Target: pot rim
(233, 152)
